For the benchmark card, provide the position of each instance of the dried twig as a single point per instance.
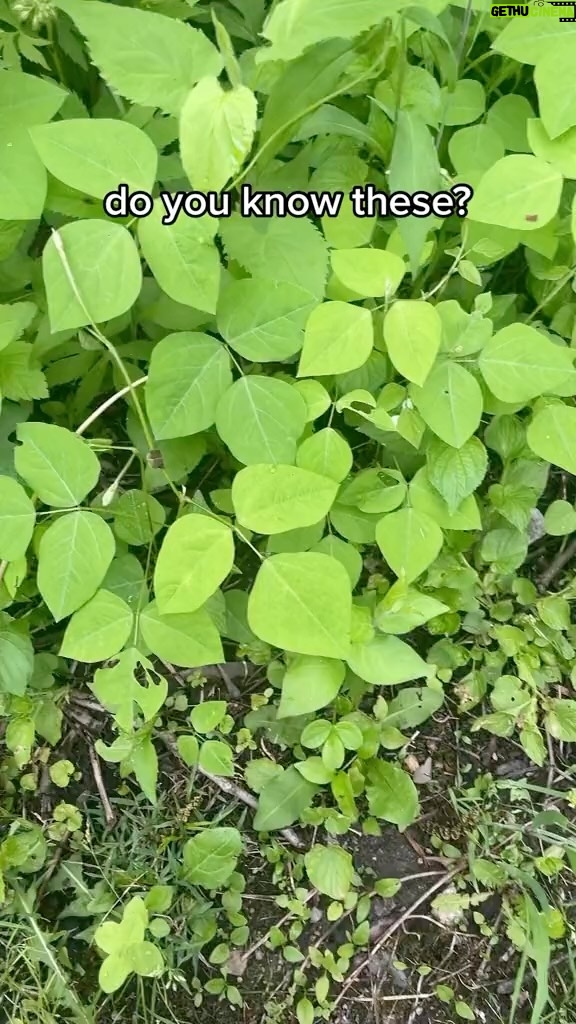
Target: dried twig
(556, 565)
(95, 763)
(232, 789)
(441, 884)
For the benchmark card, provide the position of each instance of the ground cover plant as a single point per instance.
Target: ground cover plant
(286, 504)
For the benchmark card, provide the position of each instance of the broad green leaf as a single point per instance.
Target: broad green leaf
(518, 363)
(368, 272)
(188, 640)
(450, 403)
(552, 436)
(197, 554)
(17, 519)
(509, 117)
(560, 151)
(118, 688)
(412, 332)
(302, 602)
(95, 155)
(281, 249)
(475, 149)
(188, 375)
(519, 192)
(138, 517)
(425, 498)
(216, 131)
(206, 717)
(410, 541)
(145, 959)
(327, 453)
(294, 25)
(310, 684)
(561, 720)
(260, 419)
(560, 518)
(413, 705)
(527, 40)
(392, 795)
(27, 100)
(216, 758)
(339, 337)
(98, 630)
(457, 473)
(374, 491)
(345, 553)
(188, 748)
(113, 972)
(210, 857)
(386, 661)
(264, 320)
(150, 59)
(14, 319)
(91, 272)
(283, 800)
(23, 178)
(465, 103)
(74, 555)
(272, 499)
(57, 465)
(183, 257)
(330, 870)
(404, 609)
(556, 87)
(16, 656)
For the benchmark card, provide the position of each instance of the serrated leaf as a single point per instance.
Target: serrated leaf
(281, 249)
(197, 554)
(457, 472)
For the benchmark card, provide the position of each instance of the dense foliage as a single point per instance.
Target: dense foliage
(324, 447)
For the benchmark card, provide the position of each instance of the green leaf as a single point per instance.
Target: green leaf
(475, 149)
(118, 688)
(561, 720)
(425, 498)
(206, 717)
(464, 103)
(17, 519)
(294, 25)
(27, 100)
(344, 553)
(450, 403)
(457, 472)
(404, 609)
(264, 320)
(560, 518)
(216, 131)
(412, 331)
(518, 364)
(197, 554)
(305, 1011)
(560, 151)
(410, 541)
(16, 656)
(528, 40)
(98, 630)
(330, 870)
(413, 706)
(95, 155)
(216, 758)
(138, 517)
(414, 167)
(339, 337)
(60, 467)
(187, 640)
(386, 661)
(23, 179)
(183, 257)
(74, 556)
(150, 59)
(14, 319)
(261, 420)
(281, 249)
(556, 88)
(302, 603)
(188, 748)
(91, 273)
(189, 372)
(392, 795)
(283, 800)
(146, 959)
(326, 453)
(551, 436)
(519, 192)
(368, 272)
(210, 857)
(309, 684)
(272, 499)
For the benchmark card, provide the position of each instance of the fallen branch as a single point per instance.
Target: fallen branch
(556, 566)
(441, 884)
(95, 763)
(232, 789)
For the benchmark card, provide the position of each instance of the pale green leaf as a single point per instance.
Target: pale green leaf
(118, 688)
(330, 870)
(282, 801)
(410, 541)
(457, 472)
(281, 249)
(264, 320)
(339, 337)
(386, 661)
(261, 419)
(27, 100)
(302, 602)
(74, 555)
(527, 40)
(556, 87)
(210, 857)
(216, 131)
(309, 684)
(519, 192)
(413, 331)
(294, 25)
(368, 272)
(197, 554)
(552, 436)
(450, 403)
(16, 656)
(17, 519)
(189, 372)
(60, 467)
(23, 178)
(272, 499)
(327, 453)
(183, 257)
(188, 640)
(99, 630)
(518, 363)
